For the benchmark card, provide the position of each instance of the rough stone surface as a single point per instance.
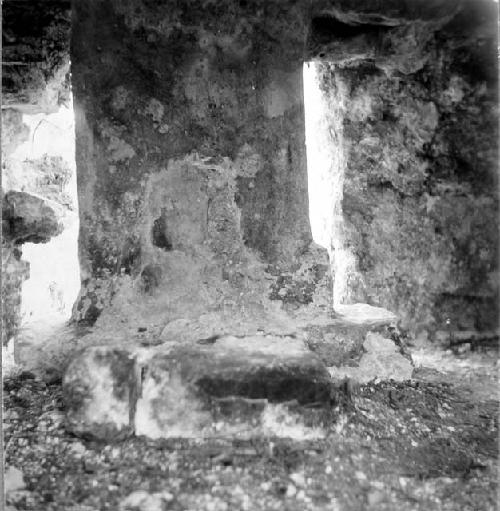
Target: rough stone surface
(420, 153)
(335, 344)
(27, 218)
(339, 341)
(191, 158)
(35, 55)
(14, 272)
(100, 392)
(382, 360)
(394, 36)
(190, 140)
(226, 386)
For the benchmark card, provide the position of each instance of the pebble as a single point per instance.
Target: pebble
(10, 415)
(91, 466)
(13, 480)
(375, 497)
(78, 449)
(143, 501)
(298, 479)
(291, 490)
(360, 476)
(55, 416)
(215, 505)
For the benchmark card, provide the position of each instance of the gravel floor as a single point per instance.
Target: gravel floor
(427, 444)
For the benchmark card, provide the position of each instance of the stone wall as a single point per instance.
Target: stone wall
(35, 55)
(191, 156)
(191, 160)
(420, 137)
(35, 80)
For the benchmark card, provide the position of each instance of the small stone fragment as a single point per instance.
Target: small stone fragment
(382, 361)
(143, 501)
(100, 391)
(27, 218)
(375, 497)
(13, 480)
(298, 479)
(360, 476)
(266, 486)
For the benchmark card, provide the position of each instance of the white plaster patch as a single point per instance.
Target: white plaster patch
(104, 407)
(167, 409)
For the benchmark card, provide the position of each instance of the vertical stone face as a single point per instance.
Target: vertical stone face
(36, 34)
(420, 199)
(190, 148)
(35, 80)
(100, 393)
(14, 272)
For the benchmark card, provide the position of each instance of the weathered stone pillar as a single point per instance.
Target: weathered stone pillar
(190, 154)
(410, 94)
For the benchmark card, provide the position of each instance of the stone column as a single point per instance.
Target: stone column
(190, 152)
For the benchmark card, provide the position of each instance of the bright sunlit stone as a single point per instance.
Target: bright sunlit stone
(49, 293)
(325, 169)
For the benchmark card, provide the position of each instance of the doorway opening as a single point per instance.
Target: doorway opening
(44, 165)
(324, 103)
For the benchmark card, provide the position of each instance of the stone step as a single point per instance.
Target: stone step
(381, 359)
(364, 314)
(244, 386)
(338, 340)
